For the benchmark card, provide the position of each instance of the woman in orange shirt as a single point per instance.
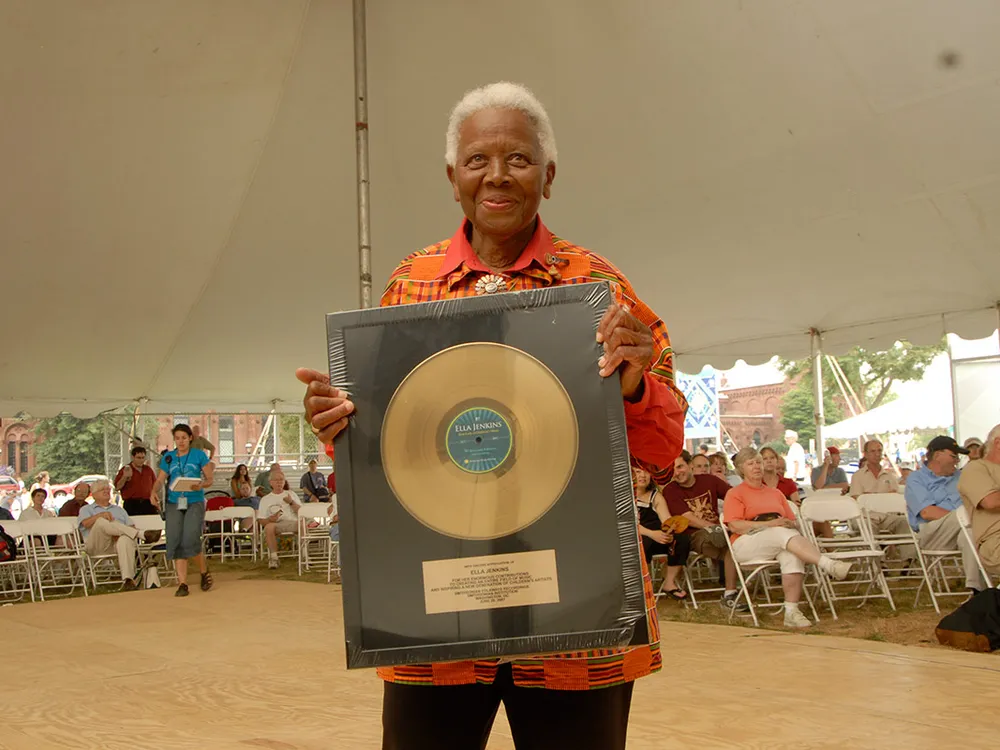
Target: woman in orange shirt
(763, 527)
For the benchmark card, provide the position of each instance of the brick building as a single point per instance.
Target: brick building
(753, 413)
(17, 451)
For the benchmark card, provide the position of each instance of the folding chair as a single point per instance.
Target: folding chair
(16, 575)
(59, 565)
(966, 523)
(233, 532)
(758, 572)
(853, 544)
(153, 554)
(214, 522)
(261, 538)
(315, 546)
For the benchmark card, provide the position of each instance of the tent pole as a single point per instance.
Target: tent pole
(817, 371)
(361, 131)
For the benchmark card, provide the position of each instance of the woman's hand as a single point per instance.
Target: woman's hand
(327, 408)
(628, 345)
(659, 537)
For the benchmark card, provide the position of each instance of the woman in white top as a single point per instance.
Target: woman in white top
(37, 508)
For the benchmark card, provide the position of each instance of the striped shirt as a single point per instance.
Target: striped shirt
(655, 427)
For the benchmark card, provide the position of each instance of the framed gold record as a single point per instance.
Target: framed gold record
(479, 441)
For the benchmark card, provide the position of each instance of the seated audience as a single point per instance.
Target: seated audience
(697, 498)
(655, 541)
(700, 465)
(107, 529)
(830, 475)
(37, 508)
(975, 447)
(931, 499)
(763, 526)
(904, 474)
(313, 485)
(5, 515)
(278, 514)
(71, 508)
(774, 475)
(241, 490)
(263, 481)
(719, 466)
(979, 487)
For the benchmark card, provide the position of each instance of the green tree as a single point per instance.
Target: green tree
(70, 447)
(871, 374)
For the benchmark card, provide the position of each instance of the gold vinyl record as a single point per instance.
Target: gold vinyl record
(479, 441)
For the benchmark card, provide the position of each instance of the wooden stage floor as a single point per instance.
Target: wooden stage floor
(260, 664)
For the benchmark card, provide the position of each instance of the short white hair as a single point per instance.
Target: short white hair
(99, 485)
(994, 435)
(501, 95)
(791, 434)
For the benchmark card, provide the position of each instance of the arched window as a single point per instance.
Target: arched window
(756, 438)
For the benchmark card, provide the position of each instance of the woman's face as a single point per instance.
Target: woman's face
(753, 470)
(780, 466)
(641, 479)
(717, 467)
(499, 175)
(770, 462)
(700, 465)
(182, 440)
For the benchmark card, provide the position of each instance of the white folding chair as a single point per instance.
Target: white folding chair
(316, 549)
(153, 554)
(16, 577)
(756, 572)
(234, 532)
(966, 523)
(261, 537)
(60, 564)
(853, 544)
(213, 516)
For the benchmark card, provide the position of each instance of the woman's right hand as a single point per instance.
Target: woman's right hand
(327, 408)
(659, 537)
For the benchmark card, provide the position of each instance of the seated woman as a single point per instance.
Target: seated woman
(652, 513)
(763, 526)
(719, 465)
(774, 476)
(242, 492)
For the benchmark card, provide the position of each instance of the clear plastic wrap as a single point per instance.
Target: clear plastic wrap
(391, 541)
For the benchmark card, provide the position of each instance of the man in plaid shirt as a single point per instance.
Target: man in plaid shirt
(501, 159)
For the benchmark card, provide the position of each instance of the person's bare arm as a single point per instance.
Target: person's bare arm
(933, 513)
(208, 472)
(697, 521)
(991, 501)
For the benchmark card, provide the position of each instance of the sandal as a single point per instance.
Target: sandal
(206, 581)
(679, 595)
(182, 590)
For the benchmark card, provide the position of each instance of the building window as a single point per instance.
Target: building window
(24, 457)
(12, 455)
(756, 438)
(227, 441)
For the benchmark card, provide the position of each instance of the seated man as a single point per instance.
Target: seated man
(696, 497)
(931, 499)
(263, 481)
(872, 478)
(829, 475)
(278, 514)
(72, 508)
(979, 487)
(106, 528)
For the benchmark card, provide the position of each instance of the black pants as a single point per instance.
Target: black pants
(460, 717)
(677, 553)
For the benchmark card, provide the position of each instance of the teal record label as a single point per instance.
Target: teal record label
(479, 440)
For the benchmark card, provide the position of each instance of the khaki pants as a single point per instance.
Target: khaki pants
(895, 524)
(989, 553)
(945, 534)
(106, 537)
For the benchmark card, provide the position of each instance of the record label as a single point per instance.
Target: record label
(479, 440)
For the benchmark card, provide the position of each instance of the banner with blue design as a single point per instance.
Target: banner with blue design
(702, 394)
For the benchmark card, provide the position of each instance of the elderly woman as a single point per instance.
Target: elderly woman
(501, 163)
(763, 526)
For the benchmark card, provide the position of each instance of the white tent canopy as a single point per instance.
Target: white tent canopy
(908, 413)
(177, 208)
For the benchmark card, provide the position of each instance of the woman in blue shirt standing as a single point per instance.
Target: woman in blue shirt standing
(185, 511)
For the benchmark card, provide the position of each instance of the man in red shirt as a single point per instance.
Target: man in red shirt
(135, 483)
(72, 507)
(697, 497)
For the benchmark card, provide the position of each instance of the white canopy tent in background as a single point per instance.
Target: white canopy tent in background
(913, 412)
(178, 203)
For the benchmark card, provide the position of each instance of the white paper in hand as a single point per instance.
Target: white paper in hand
(184, 484)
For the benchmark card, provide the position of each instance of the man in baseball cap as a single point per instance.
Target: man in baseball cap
(829, 475)
(931, 499)
(974, 447)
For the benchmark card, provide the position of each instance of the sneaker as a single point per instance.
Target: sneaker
(182, 590)
(733, 602)
(841, 569)
(795, 619)
(273, 563)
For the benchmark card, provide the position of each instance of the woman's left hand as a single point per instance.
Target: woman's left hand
(628, 345)
(197, 486)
